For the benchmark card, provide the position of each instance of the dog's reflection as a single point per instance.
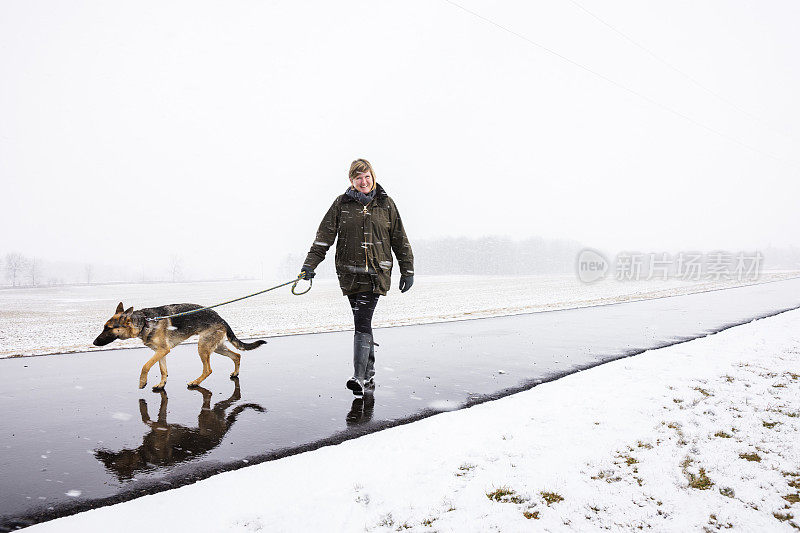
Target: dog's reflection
(361, 410)
(166, 444)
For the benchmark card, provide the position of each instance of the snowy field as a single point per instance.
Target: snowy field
(67, 319)
(699, 436)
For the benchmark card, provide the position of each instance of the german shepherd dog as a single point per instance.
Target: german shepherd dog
(163, 335)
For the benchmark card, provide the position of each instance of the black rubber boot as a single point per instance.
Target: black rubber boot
(369, 382)
(362, 344)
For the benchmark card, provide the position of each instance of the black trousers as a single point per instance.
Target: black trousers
(363, 306)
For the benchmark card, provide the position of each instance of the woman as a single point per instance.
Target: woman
(368, 227)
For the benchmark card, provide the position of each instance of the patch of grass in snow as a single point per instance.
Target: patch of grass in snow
(428, 522)
(783, 517)
(404, 525)
(500, 494)
(792, 498)
(793, 375)
(630, 460)
(386, 520)
(714, 521)
(779, 386)
(769, 425)
(750, 457)
(677, 400)
(464, 469)
(722, 435)
(551, 497)
(644, 445)
(699, 481)
(703, 391)
(608, 476)
(727, 492)
(531, 514)
(729, 379)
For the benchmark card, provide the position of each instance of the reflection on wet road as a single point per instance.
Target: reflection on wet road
(361, 411)
(166, 444)
(77, 432)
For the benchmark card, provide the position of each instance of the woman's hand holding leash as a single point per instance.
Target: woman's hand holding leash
(307, 273)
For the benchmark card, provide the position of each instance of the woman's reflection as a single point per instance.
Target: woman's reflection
(361, 410)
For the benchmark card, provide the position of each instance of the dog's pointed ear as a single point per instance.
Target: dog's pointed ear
(120, 307)
(129, 310)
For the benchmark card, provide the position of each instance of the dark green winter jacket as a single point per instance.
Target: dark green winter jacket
(366, 236)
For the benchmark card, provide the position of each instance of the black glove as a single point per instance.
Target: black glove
(308, 271)
(406, 282)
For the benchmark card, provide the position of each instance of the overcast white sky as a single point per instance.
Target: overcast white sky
(130, 131)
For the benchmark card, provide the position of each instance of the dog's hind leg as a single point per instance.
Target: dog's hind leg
(206, 344)
(205, 356)
(162, 365)
(149, 364)
(235, 357)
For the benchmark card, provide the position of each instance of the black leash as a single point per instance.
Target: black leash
(294, 286)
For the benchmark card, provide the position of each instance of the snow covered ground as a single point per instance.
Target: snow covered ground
(67, 319)
(699, 436)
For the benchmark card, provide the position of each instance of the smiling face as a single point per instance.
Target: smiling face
(363, 182)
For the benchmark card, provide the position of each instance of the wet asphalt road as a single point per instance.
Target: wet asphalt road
(77, 433)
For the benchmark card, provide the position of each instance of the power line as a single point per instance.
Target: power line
(679, 71)
(625, 88)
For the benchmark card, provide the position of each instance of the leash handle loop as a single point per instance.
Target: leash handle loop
(294, 285)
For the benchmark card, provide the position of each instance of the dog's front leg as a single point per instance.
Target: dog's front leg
(149, 364)
(162, 365)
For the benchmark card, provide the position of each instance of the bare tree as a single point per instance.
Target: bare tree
(14, 264)
(176, 267)
(88, 270)
(34, 271)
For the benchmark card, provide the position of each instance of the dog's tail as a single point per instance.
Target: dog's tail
(242, 345)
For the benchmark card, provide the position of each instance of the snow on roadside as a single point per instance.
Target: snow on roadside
(699, 436)
(46, 320)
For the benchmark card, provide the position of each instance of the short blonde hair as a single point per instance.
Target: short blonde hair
(361, 165)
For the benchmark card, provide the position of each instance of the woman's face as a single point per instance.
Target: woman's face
(362, 182)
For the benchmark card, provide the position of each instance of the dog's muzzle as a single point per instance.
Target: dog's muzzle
(103, 339)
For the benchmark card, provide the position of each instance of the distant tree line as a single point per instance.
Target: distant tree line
(496, 256)
(24, 271)
(475, 256)
(505, 256)
(445, 256)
